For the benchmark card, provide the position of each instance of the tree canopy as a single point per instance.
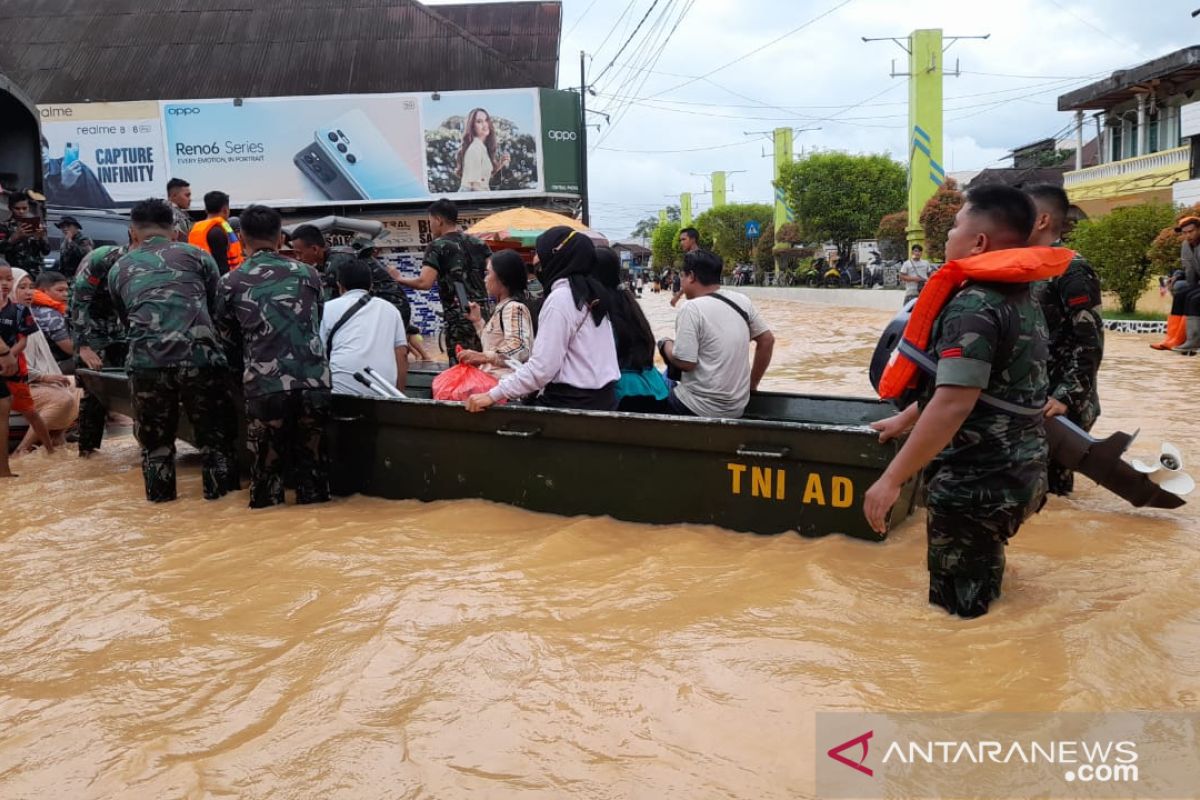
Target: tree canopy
(664, 246)
(645, 226)
(723, 230)
(840, 197)
(937, 218)
(1119, 246)
(893, 236)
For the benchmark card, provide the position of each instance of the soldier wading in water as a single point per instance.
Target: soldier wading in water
(980, 416)
(165, 292)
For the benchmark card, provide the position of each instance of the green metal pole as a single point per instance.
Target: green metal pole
(783, 155)
(925, 171)
(685, 209)
(718, 189)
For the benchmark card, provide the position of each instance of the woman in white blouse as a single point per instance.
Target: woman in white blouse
(508, 334)
(477, 161)
(574, 361)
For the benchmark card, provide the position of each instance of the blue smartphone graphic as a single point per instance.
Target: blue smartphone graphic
(353, 146)
(71, 154)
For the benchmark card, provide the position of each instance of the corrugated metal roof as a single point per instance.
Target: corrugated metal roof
(65, 51)
(528, 33)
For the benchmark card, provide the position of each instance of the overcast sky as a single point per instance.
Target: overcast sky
(823, 75)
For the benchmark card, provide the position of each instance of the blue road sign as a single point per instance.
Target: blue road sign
(752, 230)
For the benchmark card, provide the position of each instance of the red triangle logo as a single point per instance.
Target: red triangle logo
(836, 753)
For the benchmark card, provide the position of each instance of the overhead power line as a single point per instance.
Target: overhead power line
(758, 49)
(681, 150)
(641, 22)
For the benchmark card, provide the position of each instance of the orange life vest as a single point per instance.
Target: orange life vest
(1017, 265)
(198, 237)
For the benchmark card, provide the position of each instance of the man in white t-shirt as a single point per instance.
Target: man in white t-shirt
(711, 348)
(914, 273)
(372, 336)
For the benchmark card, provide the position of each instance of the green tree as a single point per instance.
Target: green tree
(646, 225)
(664, 246)
(840, 197)
(724, 230)
(893, 236)
(1119, 247)
(937, 218)
(764, 250)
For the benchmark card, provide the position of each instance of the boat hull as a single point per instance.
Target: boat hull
(794, 463)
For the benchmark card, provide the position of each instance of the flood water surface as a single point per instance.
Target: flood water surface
(383, 649)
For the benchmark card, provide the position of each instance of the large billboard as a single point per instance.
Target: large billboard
(319, 150)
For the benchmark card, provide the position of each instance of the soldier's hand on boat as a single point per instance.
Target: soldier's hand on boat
(1054, 408)
(89, 357)
(479, 402)
(878, 502)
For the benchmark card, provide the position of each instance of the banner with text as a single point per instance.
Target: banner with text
(318, 150)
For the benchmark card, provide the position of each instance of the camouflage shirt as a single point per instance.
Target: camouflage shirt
(94, 319)
(182, 224)
(71, 255)
(457, 258)
(26, 253)
(991, 337)
(268, 313)
(165, 293)
(1071, 305)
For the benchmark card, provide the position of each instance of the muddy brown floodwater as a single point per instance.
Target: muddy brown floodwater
(382, 649)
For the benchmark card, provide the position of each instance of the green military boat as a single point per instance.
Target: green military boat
(792, 463)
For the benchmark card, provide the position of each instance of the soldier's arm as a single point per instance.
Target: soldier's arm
(422, 282)
(1080, 294)
(212, 277)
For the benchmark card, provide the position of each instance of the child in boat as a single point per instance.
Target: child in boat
(980, 413)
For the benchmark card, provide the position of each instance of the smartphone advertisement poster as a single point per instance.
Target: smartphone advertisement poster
(97, 155)
(319, 150)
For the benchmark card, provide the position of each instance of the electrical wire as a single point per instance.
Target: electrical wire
(681, 150)
(759, 49)
(614, 27)
(641, 22)
(579, 19)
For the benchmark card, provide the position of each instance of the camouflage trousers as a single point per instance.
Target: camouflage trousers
(1061, 479)
(204, 395)
(461, 332)
(966, 557)
(92, 413)
(285, 432)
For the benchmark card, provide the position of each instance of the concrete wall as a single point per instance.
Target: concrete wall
(879, 299)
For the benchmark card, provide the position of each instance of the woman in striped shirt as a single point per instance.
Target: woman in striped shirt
(508, 333)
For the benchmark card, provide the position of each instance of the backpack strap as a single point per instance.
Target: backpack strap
(928, 364)
(741, 312)
(337, 326)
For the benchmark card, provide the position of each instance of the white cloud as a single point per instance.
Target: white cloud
(822, 69)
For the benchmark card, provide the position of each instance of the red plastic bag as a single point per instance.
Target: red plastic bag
(461, 381)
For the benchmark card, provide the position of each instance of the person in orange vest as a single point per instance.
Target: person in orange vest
(215, 235)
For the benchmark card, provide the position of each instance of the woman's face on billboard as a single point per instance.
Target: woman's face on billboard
(483, 125)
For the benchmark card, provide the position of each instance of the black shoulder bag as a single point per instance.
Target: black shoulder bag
(350, 312)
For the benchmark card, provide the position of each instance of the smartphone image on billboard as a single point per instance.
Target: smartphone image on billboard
(363, 157)
(313, 162)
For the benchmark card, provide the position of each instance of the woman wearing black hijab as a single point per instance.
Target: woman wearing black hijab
(574, 361)
(641, 387)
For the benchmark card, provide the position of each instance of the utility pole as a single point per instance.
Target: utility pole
(718, 189)
(685, 209)
(926, 55)
(583, 147)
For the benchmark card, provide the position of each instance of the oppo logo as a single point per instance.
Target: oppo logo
(562, 136)
(182, 111)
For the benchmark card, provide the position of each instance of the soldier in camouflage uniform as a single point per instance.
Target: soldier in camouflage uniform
(98, 336)
(452, 259)
(383, 283)
(21, 248)
(310, 247)
(990, 474)
(75, 247)
(1071, 305)
(268, 313)
(165, 293)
